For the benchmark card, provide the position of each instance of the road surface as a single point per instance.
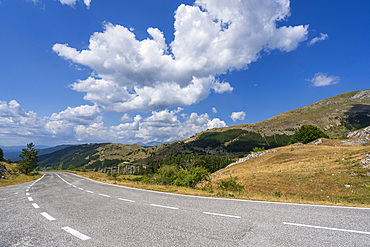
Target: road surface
(63, 209)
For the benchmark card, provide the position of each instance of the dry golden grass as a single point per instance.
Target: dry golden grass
(329, 174)
(16, 179)
(324, 174)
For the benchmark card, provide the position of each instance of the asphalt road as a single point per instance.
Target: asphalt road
(63, 209)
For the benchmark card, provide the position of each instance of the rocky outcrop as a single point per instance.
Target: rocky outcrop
(252, 155)
(362, 95)
(360, 133)
(3, 171)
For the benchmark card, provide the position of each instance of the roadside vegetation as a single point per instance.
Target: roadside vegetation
(330, 173)
(12, 173)
(13, 176)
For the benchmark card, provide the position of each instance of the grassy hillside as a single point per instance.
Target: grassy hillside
(237, 140)
(91, 155)
(336, 172)
(13, 177)
(336, 116)
(330, 173)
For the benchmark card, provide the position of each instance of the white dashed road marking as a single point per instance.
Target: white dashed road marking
(89, 191)
(325, 228)
(126, 200)
(161, 206)
(80, 189)
(27, 194)
(76, 233)
(47, 216)
(35, 205)
(30, 199)
(223, 215)
(104, 195)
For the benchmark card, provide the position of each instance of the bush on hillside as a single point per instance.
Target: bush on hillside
(230, 184)
(306, 134)
(173, 175)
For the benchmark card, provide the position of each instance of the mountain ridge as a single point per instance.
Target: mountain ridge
(336, 115)
(330, 111)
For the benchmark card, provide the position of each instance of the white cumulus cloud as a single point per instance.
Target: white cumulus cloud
(321, 80)
(66, 2)
(211, 38)
(238, 116)
(126, 118)
(323, 36)
(73, 2)
(161, 127)
(81, 115)
(16, 124)
(85, 124)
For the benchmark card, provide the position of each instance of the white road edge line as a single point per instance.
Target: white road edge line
(326, 228)
(225, 199)
(63, 180)
(104, 195)
(89, 191)
(76, 233)
(161, 206)
(35, 205)
(30, 199)
(47, 216)
(126, 200)
(223, 215)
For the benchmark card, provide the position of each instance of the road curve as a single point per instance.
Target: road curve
(62, 209)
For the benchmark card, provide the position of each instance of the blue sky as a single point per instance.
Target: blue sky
(150, 72)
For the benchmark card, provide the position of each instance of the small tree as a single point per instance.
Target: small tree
(29, 159)
(71, 167)
(1, 155)
(306, 134)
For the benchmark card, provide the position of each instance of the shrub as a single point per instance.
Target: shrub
(230, 184)
(257, 149)
(34, 173)
(306, 134)
(146, 179)
(278, 193)
(165, 175)
(195, 175)
(172, 175)
(71, 168)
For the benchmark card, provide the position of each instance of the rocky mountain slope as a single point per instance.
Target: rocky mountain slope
(337, 116)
